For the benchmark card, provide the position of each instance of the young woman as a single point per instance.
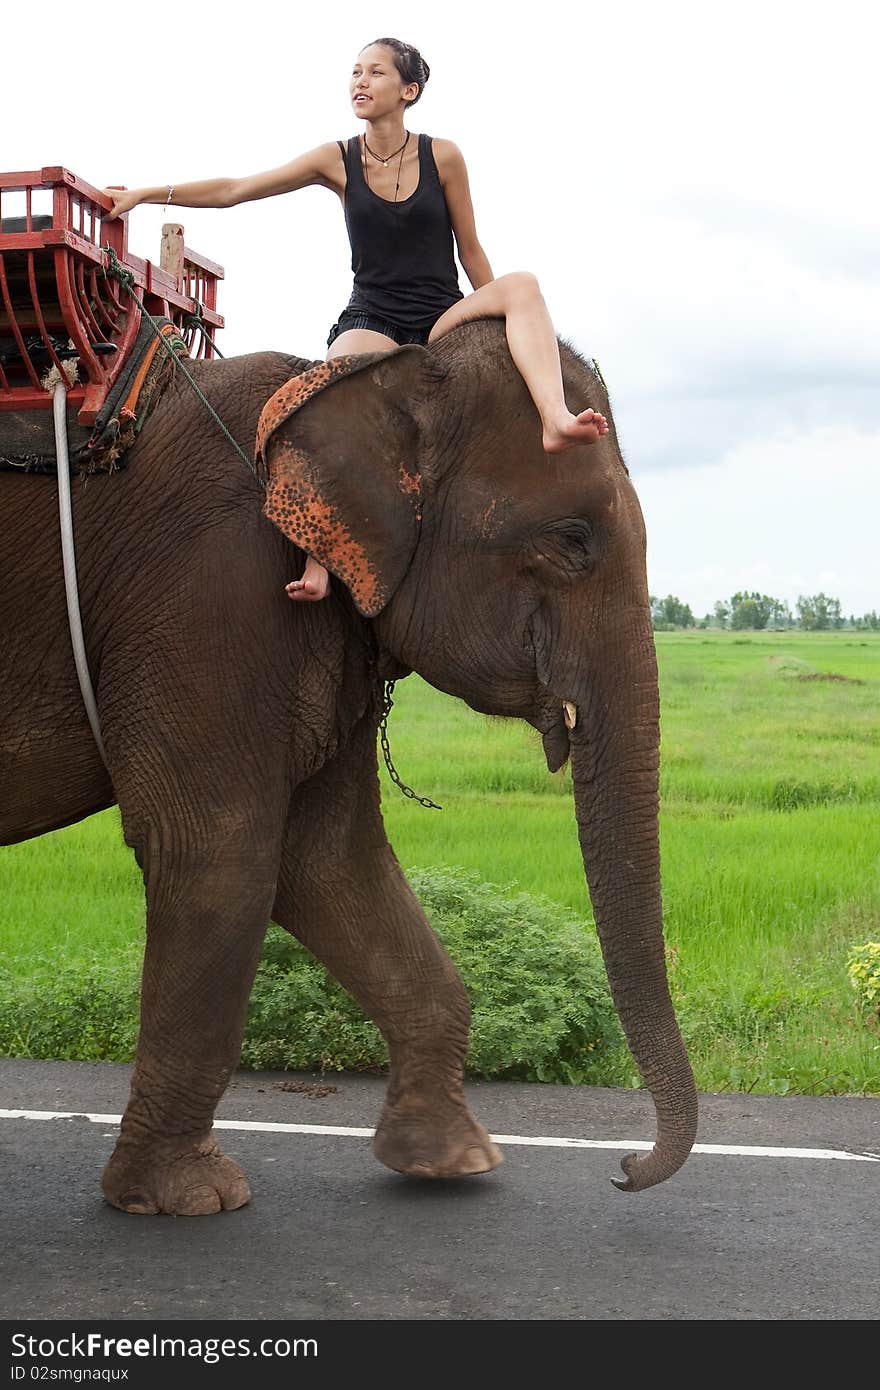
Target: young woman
(404, 197)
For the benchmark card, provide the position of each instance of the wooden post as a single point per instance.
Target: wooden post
(171, 254)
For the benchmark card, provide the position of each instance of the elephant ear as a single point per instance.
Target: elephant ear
(340, 444)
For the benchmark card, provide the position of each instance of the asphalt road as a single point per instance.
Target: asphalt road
(330, 1234)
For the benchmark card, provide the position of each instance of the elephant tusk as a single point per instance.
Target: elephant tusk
(571, 713)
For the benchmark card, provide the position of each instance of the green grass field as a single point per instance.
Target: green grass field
(771, 848)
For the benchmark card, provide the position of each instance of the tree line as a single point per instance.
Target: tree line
(813, 613)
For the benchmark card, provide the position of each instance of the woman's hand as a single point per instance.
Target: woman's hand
(123, 199)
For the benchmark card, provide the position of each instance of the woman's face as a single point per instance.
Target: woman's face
(375, 85)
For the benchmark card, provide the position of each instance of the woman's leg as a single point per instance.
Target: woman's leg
(357, 340)
(531, 338)
(315, 581)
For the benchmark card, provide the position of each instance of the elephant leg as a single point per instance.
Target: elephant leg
(208, 906)
(342, 893)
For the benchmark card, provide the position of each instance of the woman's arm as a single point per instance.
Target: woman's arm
(453, 176)
(321, 166)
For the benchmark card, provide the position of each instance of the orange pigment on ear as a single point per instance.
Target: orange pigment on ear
(295, 506)
(294, 393)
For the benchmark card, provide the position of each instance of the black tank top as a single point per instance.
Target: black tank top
(401, 253)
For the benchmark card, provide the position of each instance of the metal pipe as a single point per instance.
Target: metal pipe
(68, 554)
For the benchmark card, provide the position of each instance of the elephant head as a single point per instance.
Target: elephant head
(516, 581)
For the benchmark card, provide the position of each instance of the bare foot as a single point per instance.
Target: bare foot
(314, 585)
(569, 430)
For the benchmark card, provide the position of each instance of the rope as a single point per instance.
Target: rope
(117, 271)
(197, 320)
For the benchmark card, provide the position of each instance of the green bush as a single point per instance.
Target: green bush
(86, 1013)
(863, 968)
(300, 1019)
(542, 1009)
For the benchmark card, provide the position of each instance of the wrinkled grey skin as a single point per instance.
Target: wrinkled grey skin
(240, 728)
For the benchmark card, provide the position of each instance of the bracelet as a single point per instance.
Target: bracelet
(170, 194)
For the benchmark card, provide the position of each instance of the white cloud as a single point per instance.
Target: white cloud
(789, 516)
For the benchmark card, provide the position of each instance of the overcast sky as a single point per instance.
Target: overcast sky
(694, 184)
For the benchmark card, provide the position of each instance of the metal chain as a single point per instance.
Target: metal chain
(387, 703)
(117, 271)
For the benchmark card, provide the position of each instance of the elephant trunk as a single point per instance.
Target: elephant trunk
(615, 765)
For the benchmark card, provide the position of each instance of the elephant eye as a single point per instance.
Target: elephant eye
(571, 543)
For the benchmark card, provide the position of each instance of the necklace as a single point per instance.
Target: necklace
(389, 157)
(385, 162)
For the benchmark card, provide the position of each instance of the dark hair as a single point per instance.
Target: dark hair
(409, 63)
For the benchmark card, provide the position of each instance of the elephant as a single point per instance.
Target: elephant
(240, 729)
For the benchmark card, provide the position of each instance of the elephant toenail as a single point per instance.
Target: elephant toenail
(199, 1201)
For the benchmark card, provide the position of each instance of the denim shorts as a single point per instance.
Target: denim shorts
(362, 318)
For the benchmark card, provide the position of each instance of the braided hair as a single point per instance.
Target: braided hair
(409, 63)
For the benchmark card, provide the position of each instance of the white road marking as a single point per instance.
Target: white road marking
(535, 1141)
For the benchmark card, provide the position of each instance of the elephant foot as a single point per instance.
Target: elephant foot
(198, 1181)
(434, 1144)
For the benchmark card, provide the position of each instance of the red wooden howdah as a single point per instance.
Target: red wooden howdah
(57, 303)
